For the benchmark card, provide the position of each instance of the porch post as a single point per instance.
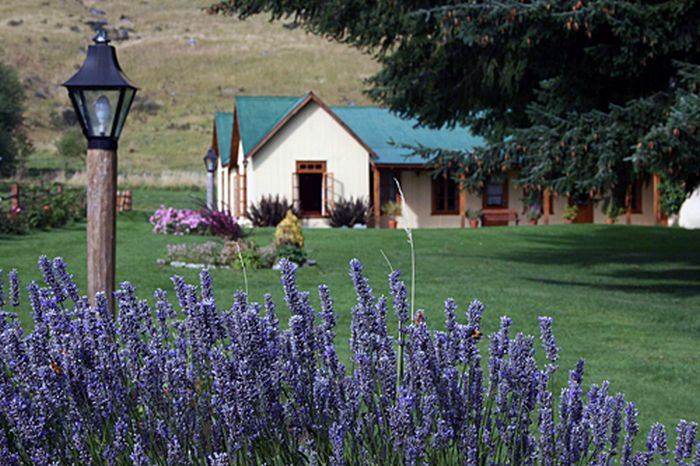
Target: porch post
(547, 205)
(14, 195)
(377, 197)
(462, 202)
(655, 182)
(244, 180)
(628, 205)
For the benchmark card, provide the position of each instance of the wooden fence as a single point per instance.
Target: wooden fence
(124, 199)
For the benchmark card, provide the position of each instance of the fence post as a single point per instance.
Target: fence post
(14, 195)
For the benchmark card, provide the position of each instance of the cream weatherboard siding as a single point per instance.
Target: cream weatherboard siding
(416, 210)
(311, 135)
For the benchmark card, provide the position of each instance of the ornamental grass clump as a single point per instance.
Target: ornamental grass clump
(198, 383)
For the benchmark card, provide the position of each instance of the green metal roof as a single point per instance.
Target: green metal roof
(257, 115)
(381, 130)
(385, 132)
(224, 131)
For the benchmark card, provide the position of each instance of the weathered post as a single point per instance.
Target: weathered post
(101, 221)
(14, 197)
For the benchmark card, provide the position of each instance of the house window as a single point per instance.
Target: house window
(445, 196)
(496, 195)
(310, 192)
(636, 200)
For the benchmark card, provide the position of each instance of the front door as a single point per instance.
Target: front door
(310, 188)
(585, 208)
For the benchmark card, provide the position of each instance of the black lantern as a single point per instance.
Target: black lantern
(210, 160)
(101, 95)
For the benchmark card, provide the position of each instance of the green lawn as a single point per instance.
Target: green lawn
(627, 299)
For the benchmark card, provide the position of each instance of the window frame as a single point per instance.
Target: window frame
(484, 196)
(434, 185)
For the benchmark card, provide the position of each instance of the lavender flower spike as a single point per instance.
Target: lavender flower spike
(14, 287)
(549, 343)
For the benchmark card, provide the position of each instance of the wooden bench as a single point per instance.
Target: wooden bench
(492, 217)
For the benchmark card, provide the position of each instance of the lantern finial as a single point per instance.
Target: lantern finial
(101, 37)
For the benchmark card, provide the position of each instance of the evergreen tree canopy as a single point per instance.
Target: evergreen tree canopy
(11, 108)
(582, 96)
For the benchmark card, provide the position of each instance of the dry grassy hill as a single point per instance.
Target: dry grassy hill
(188, 65)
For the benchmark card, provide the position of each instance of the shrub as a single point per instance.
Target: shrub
(222, 223)
(672, 196)
(169, 220)
(473, 214)
(391, 209)
(570, 212)
(288, 231)
(228, 385)
(72, 144)
(269, 211)
(208, 253)
(253, 257)
(43, 208)
(291, 252)
(349, 212)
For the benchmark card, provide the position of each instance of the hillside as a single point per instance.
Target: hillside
(187, 64)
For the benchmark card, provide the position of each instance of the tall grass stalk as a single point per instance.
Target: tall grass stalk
(409, 235)
(245, 273)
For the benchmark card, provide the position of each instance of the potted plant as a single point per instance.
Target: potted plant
(473, 215)
(392, 210)
(570, 214)
(533, 214)
(612, 213)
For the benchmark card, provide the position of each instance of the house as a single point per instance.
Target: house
(313, 154)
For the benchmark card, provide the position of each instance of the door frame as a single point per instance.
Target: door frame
(311, 167)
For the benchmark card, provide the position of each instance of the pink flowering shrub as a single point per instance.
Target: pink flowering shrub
(169, 220)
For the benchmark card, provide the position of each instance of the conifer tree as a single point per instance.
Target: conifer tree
(583, 96)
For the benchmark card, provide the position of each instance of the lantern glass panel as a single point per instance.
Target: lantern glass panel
(101, 107)
(124, 110)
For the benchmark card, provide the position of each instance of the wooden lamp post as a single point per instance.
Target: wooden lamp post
(101, 95)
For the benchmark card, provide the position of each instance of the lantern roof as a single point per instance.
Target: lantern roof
(101, 68)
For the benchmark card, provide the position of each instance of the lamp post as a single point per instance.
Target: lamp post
(101, 95)
(210, 163)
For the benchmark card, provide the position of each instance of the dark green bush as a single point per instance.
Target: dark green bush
(269, 211)
(349, 212)
(42, 208)
(291, 252)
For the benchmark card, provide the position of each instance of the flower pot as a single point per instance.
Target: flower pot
(391, 223)
(568, 221)
(532, 221)
(610, 221)
(473, 223)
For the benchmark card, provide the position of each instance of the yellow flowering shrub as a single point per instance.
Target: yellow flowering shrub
(289, 231)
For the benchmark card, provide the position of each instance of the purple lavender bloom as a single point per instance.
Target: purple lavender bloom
(631, 430)
(14, 288)
(474, 313)
(138, 456)
(66, 279)
(2, 290)
(549, 343)
(657, 442)
(685, 441)
(399, 296)
(221, 387)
